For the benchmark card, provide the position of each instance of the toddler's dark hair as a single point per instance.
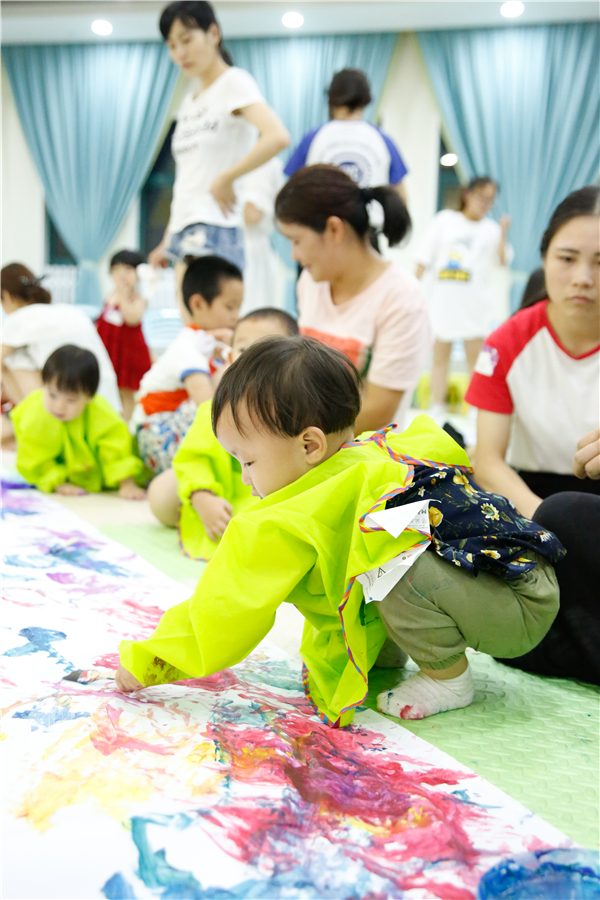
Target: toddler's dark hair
(350, 88)
(270, 312)
(73, 369)
(287, 384)
(127, 258)
(205, 276)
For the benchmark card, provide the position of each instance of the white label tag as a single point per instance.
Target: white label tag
(377, 583)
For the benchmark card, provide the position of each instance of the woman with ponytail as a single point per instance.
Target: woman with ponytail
(224, 130)
(33, 328)
(348, 296)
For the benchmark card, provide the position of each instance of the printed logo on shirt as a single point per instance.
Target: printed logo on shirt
(487, 360)
(454, 270)
(357, 166)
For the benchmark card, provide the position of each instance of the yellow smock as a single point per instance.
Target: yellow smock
(201, 464)
(304, 544)
(93, 451)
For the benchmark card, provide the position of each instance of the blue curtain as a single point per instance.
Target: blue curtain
(92, 115)
(522, 105)
(294, 73)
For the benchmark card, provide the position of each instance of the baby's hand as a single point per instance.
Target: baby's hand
(125, 681)
(128, 490)
(69, 490)
(215, 513)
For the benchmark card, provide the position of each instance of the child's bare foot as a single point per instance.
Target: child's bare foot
(69, 490)
(128, 490)
(125, 681)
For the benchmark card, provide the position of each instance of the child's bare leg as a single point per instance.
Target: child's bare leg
(127, 399)
(164, 499)
(439, 372)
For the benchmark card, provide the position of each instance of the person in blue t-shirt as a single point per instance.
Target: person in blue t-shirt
(363, 151)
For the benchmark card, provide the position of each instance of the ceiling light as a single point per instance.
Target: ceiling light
(293, 19)
(449, 159)
(511, 9)
(101, 26)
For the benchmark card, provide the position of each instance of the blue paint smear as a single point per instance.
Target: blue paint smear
(169, 883)
(572, 874)
(40, 639)
(78, 555)
(45, 719)
(7, 511)
(275, 673)
(117, 888)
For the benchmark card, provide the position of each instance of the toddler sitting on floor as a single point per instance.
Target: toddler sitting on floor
(204, 488)
(69, 439)
(285, 410)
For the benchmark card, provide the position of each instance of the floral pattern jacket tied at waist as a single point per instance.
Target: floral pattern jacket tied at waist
(305, 544)
(476, 530)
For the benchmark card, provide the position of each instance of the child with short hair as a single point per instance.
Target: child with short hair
(181, 379)
(285, 410)
(69, 439)
(204, 489)
(120, 327)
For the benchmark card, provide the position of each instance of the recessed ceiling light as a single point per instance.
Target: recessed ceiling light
(511, 9)
(449, 159)
(293, 19)
(101, 26)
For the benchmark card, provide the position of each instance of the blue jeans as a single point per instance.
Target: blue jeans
(208, 240)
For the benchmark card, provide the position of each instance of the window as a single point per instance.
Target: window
(449, 185)
(57, 253)
(156, 196)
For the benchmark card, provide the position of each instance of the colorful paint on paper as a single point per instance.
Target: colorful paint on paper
(222, 787)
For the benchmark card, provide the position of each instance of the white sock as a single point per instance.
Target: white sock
(421, 696)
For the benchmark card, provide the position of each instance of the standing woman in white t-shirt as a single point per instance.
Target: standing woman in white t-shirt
(461, 248)
(349, 297)
(223, 131)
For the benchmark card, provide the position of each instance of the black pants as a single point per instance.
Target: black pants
(571, 649)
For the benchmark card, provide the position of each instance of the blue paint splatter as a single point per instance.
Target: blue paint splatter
(56, 713)
(544, 875)
(275, 673)
(117, 888)
(77, 553)
(40, 639)
(170, 883)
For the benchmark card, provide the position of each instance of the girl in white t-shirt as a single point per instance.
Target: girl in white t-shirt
(33, 328)
(348, 296)
(460, 249)
(223, 131)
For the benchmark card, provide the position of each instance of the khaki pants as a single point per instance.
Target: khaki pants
(437, 610)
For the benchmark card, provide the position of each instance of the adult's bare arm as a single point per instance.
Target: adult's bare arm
(378, 408)
(492, 471)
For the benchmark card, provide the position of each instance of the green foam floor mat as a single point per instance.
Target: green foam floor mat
(535, 738)
(160, 546)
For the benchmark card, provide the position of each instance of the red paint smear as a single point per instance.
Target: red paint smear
(110, 736)
(108, 661)
(405, 712)
(220, 681)
(333, 776)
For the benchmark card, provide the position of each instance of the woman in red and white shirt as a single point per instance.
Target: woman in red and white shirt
(536, 384)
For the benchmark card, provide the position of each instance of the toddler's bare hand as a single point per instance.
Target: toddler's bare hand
(215, 513)
(128, 490)
(69, 490)
(125, 681)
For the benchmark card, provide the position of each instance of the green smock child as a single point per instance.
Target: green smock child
(285, 410)
(71, 441)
